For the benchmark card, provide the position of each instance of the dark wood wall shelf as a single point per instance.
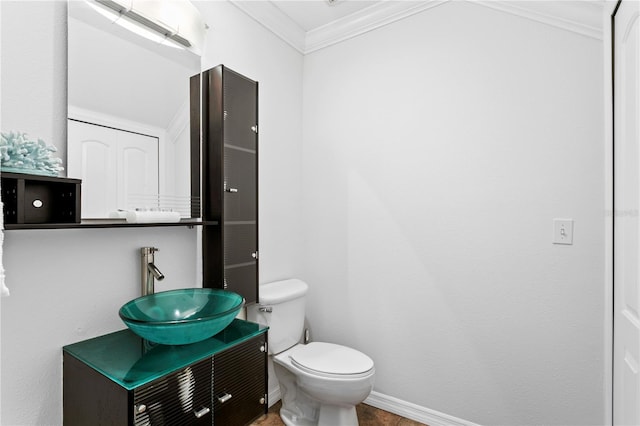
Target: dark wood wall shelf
(90, 224)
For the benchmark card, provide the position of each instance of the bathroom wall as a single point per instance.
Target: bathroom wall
(67, 285)
(248, 48)
(437, 150)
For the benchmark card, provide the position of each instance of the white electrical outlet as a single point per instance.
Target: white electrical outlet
(562, 231)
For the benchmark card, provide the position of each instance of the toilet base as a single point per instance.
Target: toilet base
(330, 415)
(290, 419)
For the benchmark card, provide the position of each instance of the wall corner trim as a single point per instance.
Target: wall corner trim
(414, 411)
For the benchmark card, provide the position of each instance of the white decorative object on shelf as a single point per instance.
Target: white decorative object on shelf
(20, 154)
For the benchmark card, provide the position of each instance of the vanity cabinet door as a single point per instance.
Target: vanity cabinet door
(180, 398)
(240, 383)
(230, 182)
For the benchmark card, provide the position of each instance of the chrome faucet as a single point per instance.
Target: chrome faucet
(150, 271)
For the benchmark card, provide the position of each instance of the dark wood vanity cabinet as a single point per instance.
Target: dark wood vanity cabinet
(118, 379)
(230, 181)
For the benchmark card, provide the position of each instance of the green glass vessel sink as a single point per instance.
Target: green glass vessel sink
(181, 317)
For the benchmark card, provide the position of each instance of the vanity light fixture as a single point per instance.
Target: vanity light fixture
(176, 23)
(117, 18)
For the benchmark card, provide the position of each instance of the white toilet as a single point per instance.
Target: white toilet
(320, 383)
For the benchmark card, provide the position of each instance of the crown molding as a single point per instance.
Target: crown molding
(272, 18)
(583, 17)
(363, 21)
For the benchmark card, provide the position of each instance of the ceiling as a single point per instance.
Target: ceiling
(310, 25)
(312, 14)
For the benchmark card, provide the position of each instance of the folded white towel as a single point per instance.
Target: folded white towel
(118, 214)
(152, 217)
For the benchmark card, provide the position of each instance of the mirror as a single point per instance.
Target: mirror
(128, 118)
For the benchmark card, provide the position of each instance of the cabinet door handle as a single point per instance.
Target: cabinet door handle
(202, 412)
(233, 190)
(224, 398)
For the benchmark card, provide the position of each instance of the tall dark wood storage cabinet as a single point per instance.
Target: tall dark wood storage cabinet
(230, 181)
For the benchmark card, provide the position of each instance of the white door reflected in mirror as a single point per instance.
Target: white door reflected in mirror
(119, 169)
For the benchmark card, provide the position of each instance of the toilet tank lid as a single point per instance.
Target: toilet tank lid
(281, 291)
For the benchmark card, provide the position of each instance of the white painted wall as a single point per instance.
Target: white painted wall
(67, 286)
(436, 152)
(37, 60)
(238, 42)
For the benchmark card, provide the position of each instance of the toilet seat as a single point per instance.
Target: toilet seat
(331, 360)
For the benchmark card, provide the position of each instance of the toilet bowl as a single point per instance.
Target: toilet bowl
(320, 383)
(336, 377)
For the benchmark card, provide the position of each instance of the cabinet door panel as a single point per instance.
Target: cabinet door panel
(179, 398)
(240, 383)
(240, 105)
(239, 243)
(240, 177)
(242, 280)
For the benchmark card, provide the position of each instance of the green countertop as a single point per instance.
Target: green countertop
(130, 361)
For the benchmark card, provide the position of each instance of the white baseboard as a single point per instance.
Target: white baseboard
(274, 396)
(413, 411)
(401, 408)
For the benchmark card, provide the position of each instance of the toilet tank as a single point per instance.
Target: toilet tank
(281, 307)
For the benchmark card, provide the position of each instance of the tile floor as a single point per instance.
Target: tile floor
(367, 416)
